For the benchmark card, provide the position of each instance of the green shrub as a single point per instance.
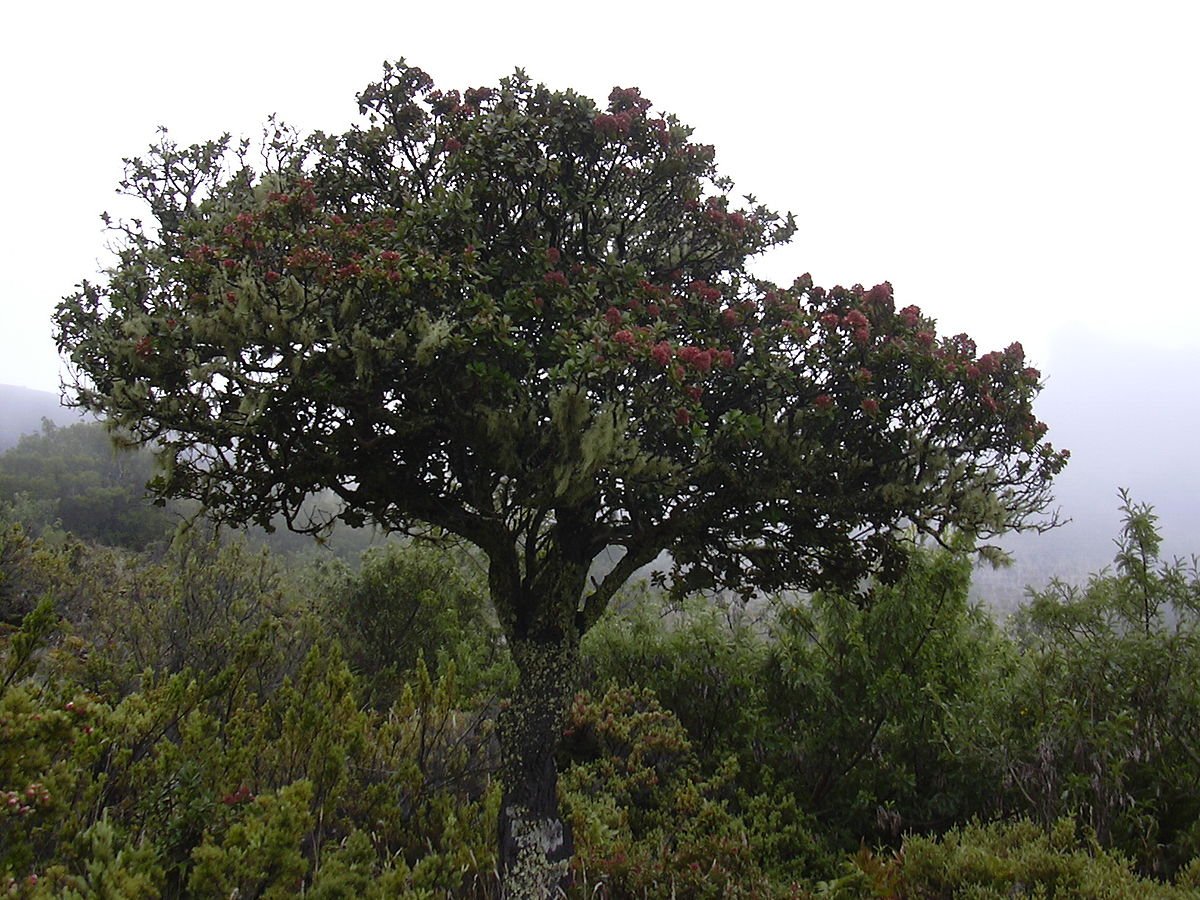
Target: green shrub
(1000, 860)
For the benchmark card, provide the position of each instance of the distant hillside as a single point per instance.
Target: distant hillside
(22, 411)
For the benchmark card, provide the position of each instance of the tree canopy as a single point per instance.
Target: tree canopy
(515, 317)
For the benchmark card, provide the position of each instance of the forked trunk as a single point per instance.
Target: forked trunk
(535, 842)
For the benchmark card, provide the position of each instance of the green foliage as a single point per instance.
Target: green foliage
(218, 744)
(259, 856)
(645, 821)
(79, 480)
(703, 661)
(115, 869)
(19, 654)
(868, 698)
(408, 603)
(1106, 722)
(854, 709)
(186, 724)
(996, 861)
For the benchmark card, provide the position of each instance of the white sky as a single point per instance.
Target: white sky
(1019, 169)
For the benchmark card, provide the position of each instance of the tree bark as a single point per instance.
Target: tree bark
(535, 842)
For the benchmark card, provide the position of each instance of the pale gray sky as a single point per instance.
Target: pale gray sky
(1017, 169)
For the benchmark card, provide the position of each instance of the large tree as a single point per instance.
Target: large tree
(512, 317)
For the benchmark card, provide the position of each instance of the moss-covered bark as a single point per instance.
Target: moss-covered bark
(535, 841)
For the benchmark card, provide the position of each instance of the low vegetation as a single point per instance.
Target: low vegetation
(196, 718)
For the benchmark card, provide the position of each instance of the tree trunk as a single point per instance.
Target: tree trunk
(535, 842)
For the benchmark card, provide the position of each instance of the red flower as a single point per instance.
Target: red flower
(823, 402)
(682, 416)
(624, 337)
(453, 145)
(613, 124)
(855, 319)
(870, 406)
(271, 277)
(725, 358)
(612, 315)
(910, 315)
(555, 278)
(880, 294)
(661, 353)
(831, 320)
(553, 255)
(730, 318)
(695, 392)
(703, 361)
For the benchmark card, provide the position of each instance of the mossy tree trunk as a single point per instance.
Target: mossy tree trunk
(538, 611)
(535, 841)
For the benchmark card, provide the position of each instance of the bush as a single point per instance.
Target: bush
(1106, 719)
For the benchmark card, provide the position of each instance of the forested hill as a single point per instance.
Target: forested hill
(22, 411)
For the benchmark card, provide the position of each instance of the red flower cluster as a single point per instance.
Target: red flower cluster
(881, 294)
(706, 291)
(555, 279)
(860, 324)
(613, 125)
(624, 336)
(476, 96)
(627, 100)
(241, 795)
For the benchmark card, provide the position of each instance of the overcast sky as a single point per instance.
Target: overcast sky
(1022, 171)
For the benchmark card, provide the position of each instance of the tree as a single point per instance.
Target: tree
(512, 318)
